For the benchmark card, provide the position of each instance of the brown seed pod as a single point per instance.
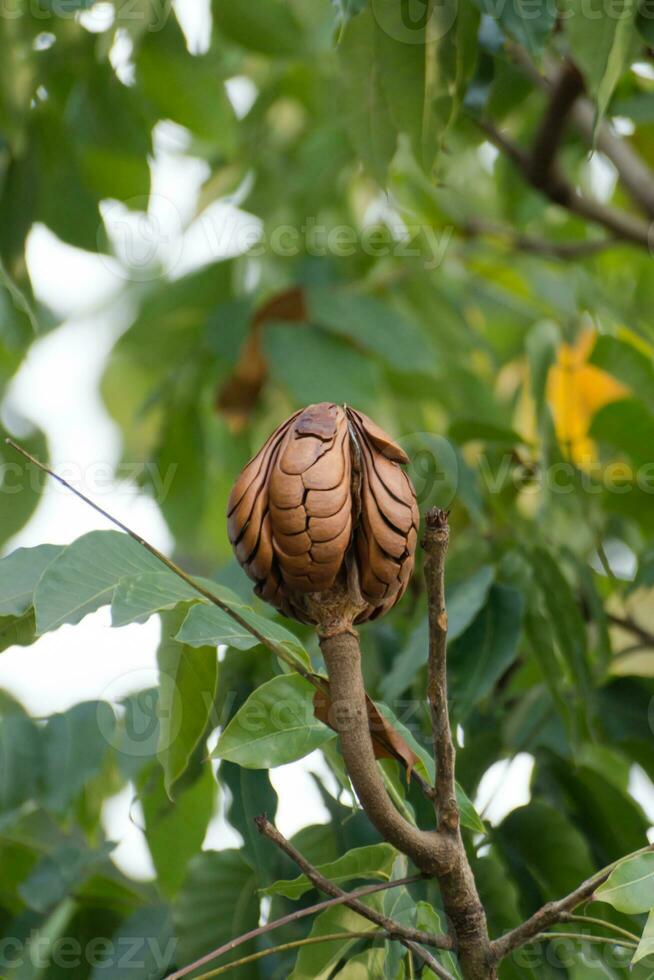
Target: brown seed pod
(324, 519)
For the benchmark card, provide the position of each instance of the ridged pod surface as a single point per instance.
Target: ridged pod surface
(325, 497)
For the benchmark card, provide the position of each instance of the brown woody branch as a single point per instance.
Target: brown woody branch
(634, 174)
(629, 624)
(553, 912)
(286, 920)
(435, 544)
(477, 228)
(428, 850)
(560, 191)
(564, 92)
(441, 853)
(409, 937)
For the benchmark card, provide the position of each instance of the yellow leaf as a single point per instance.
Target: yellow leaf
(575, 391)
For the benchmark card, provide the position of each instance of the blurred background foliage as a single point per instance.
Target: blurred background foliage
(402, 264)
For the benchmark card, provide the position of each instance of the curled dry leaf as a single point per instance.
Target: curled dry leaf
(386, 740)
(324, 518)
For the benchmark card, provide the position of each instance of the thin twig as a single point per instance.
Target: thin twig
(276, 648)
(629, 624)
(634, 174)
(580, 937)
(477, 228)
(553, 912)
(292, 917)
(393, 928)
(435, 543)
(564, 92)
(569, 917)
(560, 191)
(285, 947)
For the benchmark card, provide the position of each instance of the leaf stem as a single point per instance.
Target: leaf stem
(602, 922)
(290, 918)
(580, 937)
(284, 947)
(555, 912)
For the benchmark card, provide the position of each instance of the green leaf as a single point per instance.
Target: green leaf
(645, 574)
(252, 794)
(487, 649)
(602, 46)
(276, 725)
(21, 761)
(349, 8)
(188, 677)
(182, 452)
(373, 861)
(64, 200)
(57, 874)
(109, 134)
(189, 89)
(207, 625)
(532, 840)
(464, 601)
(140, 596)
(269, 27)
(469, 816)
(218, 901)
(471, 430)
(317, 962)
(17, 630)
(53, 928)
(175, 830)
(154, 924)
(20, 485)
(628, 427)
(315, 366)
(627, 363)
(541, 344)
(530, 24)
(565, 617)
(646, 944)
(370, 963)
(646, 27)
(366, 111)
(83, 577)
(19, 573)
(76, 743)
(429, 919)
(374, 325)
(22, 305)
(403, 75)
(630, 887)
(451, 55)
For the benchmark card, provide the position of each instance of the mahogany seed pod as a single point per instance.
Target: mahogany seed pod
(324, 512)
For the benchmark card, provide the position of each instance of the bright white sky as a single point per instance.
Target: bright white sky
(57, 387)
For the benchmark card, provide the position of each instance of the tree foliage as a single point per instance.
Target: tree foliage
(438, 242)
